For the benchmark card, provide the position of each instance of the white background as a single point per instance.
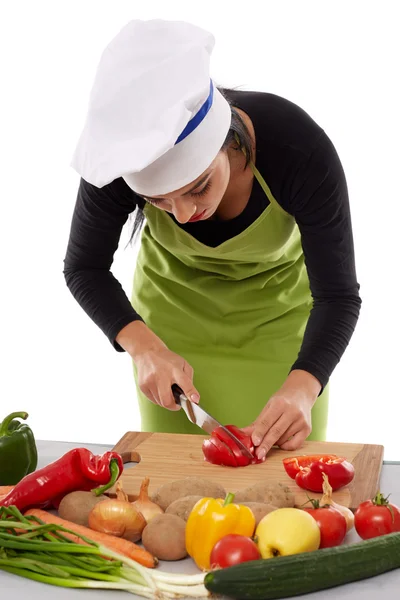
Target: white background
(338, 60)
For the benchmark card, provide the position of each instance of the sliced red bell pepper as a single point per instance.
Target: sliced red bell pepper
(221, 449)
(307, 471)
(218, 453)
(241, 459)
(294, 464)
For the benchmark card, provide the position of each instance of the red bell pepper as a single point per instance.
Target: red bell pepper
(221, 449)
(307, 471)
(77, 470)
(295, 464)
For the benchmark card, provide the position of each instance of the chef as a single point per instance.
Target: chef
(245, 291)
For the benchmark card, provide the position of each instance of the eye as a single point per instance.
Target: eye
(203, 191)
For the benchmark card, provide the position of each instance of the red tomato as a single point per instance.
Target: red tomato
(332, 525)
(376, 517)
(232, 550)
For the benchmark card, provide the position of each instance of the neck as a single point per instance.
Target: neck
(241, 178)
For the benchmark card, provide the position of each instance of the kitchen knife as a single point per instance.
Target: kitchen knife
(198, 416)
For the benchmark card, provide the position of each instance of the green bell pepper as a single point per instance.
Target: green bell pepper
(18, 452)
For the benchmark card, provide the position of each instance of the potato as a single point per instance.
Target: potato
(277, 494)
(259, 509)
(76, 506)
(164, 537)
(190, 486)
(182, 507)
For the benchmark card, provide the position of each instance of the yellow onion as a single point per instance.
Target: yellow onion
(144, 505)
(118, 517)
(327, 499)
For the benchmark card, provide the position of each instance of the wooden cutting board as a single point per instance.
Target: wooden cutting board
(165, 457)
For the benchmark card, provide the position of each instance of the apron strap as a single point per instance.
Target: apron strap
(267, 191)
(262, 182)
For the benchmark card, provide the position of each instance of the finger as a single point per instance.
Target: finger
(149, 395)
(290, 432)
(266, 421)
(249, 429)
(166, 397)
(186, 384)
(188, 369)
(272, 435)
(296, 442)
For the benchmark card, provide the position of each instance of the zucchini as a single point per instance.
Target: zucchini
(286, 576)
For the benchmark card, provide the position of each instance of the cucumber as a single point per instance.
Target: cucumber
(286, 576)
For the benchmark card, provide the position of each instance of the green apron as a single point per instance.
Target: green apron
(236, 313)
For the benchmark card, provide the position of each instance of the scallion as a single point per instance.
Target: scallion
(38, 551)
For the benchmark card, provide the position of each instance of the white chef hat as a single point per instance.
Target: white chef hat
(155, 117)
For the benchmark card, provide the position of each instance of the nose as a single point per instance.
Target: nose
(183, 210)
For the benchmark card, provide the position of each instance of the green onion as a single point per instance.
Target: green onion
(34, 565)
(32, 549)
(78, 583)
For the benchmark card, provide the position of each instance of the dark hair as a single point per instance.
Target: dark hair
(238, 134)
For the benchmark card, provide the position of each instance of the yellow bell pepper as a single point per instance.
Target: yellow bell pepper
(212, 519)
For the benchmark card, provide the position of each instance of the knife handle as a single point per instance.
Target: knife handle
(177, 392)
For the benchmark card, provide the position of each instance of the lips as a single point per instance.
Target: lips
(197, 217)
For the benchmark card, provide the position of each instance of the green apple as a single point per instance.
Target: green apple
(287, 531)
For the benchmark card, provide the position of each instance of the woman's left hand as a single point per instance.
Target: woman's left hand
(285, 421)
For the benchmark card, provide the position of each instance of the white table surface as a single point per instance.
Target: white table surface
(385, 586)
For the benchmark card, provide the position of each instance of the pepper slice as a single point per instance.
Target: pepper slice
(295, 464)
(218, 453)
(310, 469)
(77, 470)
(241, 459)
(221, 449)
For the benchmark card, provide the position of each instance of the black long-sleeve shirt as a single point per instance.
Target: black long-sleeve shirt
(305, 175)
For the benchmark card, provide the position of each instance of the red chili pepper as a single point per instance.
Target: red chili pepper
(221, 449)
(77, 470)
(307, 471)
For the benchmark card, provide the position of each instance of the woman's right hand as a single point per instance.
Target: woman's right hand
(158, 368)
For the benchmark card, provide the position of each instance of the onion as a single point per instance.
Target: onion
(118, 517)
(144, 505)
(327, 499)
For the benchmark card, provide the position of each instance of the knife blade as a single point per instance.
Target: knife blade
(198, 416)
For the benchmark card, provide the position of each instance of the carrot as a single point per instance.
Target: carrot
(116, 544)
(4, 490)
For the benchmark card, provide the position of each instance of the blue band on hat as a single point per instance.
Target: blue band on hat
(199, 117)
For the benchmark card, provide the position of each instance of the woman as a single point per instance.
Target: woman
(245, 291)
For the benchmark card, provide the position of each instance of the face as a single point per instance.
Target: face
(200, 199)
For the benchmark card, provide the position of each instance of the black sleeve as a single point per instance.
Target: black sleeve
(320, 204)
(98, 218)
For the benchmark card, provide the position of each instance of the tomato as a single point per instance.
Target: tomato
(233, 549)
(332, 525)
(376, 517)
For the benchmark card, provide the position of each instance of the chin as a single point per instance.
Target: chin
(212, 210)
(209, 214)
